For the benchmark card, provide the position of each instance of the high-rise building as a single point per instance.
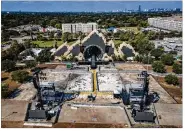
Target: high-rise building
(177, 9)
(139, 9)
(77, 27)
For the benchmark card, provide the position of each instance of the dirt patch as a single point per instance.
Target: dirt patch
(149, 67)
(6, 78)
(127, 66)
(25, 92)
(168, 68)
(174, 91)
(51, 66)
(12, 124)
(145, 126)
(88, 125)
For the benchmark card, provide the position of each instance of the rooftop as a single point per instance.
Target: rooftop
(173, 18)
(68, 80)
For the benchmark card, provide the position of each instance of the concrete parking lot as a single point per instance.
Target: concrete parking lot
(95, 114)
(169, 114)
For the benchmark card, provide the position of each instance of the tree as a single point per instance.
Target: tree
(111, 19)
(76, 35)
(125, 57)
(138, 58)
(124, 36)
(4, 90)
(67, 37)
(5, 35)
(167, 59)
(27, 44)
(144, 46)
(30, 64)
(15, 48)
(177, 68)
(53, 22)
(138, 28)
(120, 58)
(43, 24)
(7, 65)
(57, 36)
(63, 58)
(58, 26)
(116, 35)
(40, 37)
(44, 56)
(19, 75)
(158, 66)
(147, 60)
(151, 35)
(180, 57)
(141, 44)
(173, 52)
(172, 79)
(157, 53)
(143, 23)
(51, 35)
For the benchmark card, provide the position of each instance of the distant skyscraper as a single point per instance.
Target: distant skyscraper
(177, 9)
(139, 10)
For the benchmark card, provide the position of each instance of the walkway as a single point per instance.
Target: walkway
(95, 89)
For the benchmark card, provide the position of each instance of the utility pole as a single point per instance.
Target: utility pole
(148, 60)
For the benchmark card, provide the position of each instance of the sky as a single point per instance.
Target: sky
(88, 6)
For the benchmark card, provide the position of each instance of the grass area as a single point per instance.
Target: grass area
(71, 42)
(50, 43)
(134, 29)
(117, 42)
(4, 42)
(47, 43)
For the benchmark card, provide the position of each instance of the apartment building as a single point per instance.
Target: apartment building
(168, 23)
(170, 44)
(77, 27)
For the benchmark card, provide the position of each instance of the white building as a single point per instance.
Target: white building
(77, 27)
(168, 23)
(170, 44)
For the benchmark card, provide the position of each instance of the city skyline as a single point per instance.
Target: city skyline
(87, 6)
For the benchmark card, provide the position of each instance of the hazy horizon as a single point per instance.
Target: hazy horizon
(85, 6)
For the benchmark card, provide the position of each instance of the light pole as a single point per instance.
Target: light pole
(148, 60)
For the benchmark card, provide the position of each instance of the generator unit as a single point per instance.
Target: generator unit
(136, 93)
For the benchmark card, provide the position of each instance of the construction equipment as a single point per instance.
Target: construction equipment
(136, 95)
